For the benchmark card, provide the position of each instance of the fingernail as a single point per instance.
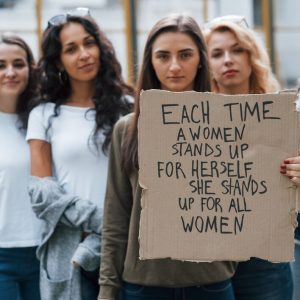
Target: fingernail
(290, 177)
(283, 171)
(283, 166)
(286, 161)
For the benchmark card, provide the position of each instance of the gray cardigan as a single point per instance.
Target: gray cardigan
(65, 218)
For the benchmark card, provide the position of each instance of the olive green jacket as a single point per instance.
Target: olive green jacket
(120, 232)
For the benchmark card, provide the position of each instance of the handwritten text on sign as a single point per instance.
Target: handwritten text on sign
(209, 161)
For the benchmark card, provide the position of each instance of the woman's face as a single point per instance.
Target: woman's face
(80, 54)
(175, 59)
(14, 71)
(229, 62)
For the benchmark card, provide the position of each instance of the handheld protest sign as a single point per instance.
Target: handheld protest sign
(209, 169)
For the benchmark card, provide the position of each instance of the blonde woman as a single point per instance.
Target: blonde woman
(240, 65)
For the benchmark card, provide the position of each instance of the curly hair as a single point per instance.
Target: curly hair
(148, 79)
(261, 79)
(110, 88)
(27, 99)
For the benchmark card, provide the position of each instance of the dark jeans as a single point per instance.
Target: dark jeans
(89, 284)
(19, 274)
(259, 279)
(217, 291)
(296, 272)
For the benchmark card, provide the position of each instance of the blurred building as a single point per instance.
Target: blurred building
(127, 23)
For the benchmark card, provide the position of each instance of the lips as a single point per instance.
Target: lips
(230, 73)
(87, 66)
(175, 77)
(11, 82)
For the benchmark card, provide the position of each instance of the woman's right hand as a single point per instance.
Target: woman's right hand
(41, 161)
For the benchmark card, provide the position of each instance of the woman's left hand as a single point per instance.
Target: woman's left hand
(290, 167)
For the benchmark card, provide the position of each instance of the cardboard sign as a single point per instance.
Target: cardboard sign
(209, 169)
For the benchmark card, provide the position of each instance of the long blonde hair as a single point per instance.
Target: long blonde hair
(262, 80)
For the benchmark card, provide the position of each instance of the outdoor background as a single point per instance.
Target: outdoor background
(127, 22)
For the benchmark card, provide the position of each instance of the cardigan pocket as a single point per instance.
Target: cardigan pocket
(55, 289)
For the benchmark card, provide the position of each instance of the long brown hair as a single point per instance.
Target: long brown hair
(148, 79)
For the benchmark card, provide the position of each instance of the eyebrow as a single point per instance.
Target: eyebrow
(15, 60)
(232, 46)
(166, 51)
(19, 60)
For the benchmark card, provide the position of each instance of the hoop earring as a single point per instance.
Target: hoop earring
(62, 77)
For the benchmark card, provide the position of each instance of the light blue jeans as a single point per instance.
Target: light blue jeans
(216, 291)
(259, 279)
(19, 274)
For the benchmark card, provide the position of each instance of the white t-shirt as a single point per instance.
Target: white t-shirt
(79, 167)
(19, 227)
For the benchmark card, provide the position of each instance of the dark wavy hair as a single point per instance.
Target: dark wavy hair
(110, 88)
(27, 99)
(148, 79)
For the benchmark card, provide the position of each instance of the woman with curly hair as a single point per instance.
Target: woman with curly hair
(240, 65)
(82, 96)
(19, 227)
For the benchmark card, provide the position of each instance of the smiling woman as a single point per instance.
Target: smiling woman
(82, 96)
(19, 227)
(77, 42)
(14, 75)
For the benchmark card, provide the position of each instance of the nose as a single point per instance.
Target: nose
(84, 53)
(227, 58)
(175, 65)
(10, 71)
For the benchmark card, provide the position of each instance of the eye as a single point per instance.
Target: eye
(70, 50)
(90, 42)
(19, 65)
(186, 55)
(239, 50)
(216, 54)
(2, 66)
(162, 56)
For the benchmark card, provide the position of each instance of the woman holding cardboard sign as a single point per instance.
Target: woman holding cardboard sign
(240, 65)
(175, 59)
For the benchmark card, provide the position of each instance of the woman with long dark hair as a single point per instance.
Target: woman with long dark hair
(174, 59)
(82, 97)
